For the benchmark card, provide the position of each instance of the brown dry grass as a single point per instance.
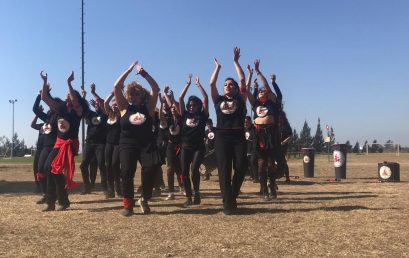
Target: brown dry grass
(311, 217)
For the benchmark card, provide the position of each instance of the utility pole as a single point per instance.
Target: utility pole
(12, 101)
(82, 67)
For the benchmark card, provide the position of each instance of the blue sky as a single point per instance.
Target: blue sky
(345, 62)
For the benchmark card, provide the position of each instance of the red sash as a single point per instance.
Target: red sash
(64, 162)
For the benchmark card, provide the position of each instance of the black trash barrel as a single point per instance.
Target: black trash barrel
(308, 161)
(340, 161)
(389, 171)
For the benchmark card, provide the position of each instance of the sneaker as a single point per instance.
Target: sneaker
(50, 207)
(42, 200)
(144, 206)
(170, 196)
(126, 212)
(63, 207)
(197, 199)
(188, 202)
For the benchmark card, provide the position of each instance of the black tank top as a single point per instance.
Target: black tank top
(49, 132)
(175, 130)
(193, 128)
(96, 127)
(163, 136)
(68, 125)
(230, 112)
(113, 130)
(136, 127)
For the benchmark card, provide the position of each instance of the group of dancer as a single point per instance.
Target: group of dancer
(127, 127)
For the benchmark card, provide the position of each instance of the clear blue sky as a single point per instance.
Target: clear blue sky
(346, 62)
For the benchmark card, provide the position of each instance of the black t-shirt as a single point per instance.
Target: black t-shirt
(250, 135)
(68, 124)
(113, 130)
(193, 128)
(163, 136)
(230, 112)
(136, 127)
(175, 130)
(96, 127)
(269, 108)
(209, 138)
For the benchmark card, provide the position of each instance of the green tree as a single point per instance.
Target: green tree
(294, 145)
(375, 147)
(389, 145)
(349, 146)
(318, 141)
(305, 136)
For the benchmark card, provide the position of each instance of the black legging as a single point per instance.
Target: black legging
(191, 157)
(88, 154)
(253, 165)
(113, 167)
(41, 167)
(173, 165)
(35, 165)
(231, 153)
(266, 169)
(55, 183)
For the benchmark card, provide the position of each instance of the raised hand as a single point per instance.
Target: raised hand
(216, 63)
(92, 86)
(249, 69)
(44, 77)
(197, 82)
(257, 65)
(273, 77)
(166, 90)
(132, 65)
(236, 53)
(71, 77)
(189, 79)
(93, 103)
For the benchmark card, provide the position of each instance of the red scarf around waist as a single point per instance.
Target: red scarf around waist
(64, 162)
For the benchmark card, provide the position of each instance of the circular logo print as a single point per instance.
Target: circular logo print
(137, 119)
(261, 111)
(339, 159)
(63, 125)
(46, 128)
(247, 135)
(192, 122)
(111, 121)
(306, 159)
(210, 135)
(96, 120)
(228, 107)
(174, 130)
(385, 172)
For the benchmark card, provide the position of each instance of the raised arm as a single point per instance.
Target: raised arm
(182, 108)
(37, 108)
(261, 76)
(34, 124)
(213, 80)
(154, 93)
(240, 73)
(276, 88)
(118, 89)
(107, 100)
(170, 99)
(45, 96)
(248, 84)
(204, 95)
(74, 99)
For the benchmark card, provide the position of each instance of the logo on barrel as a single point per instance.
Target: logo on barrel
(306, 159)
(339, 159)
(385, 172)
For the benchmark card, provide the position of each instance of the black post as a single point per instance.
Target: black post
(82, 66)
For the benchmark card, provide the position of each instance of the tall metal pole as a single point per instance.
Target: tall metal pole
(12, 101)
(82, 66)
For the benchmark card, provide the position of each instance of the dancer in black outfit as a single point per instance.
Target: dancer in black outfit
(136, 142)
(194, 117)
(230, 143)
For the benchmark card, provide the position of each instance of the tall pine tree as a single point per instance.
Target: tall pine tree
(356, 148)
(305, 136)
(294, 145)
(318, 141)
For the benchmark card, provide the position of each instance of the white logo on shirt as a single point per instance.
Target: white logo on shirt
(46, 129)
(228, 106)
(137, 119)
(111, 121)
(192, 122)
(247, 135)
(96, 120)
(174, 130)
(63, 125)
(261, 111)
(210, 135)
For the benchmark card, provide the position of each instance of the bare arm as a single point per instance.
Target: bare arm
(240, 73)
(204, 95)
(45, 96)
(248, 84)
(261, 76)
(99, 100)
(154, 89)
(170, 99)
(182, 95)
(118, 89)
(213, 80)
(107, 100)
(74, 99)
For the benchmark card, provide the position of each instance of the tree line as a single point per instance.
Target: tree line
(20, 149)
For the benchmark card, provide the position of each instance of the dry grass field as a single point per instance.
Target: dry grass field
(312, 217)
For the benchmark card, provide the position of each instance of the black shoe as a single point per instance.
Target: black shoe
(63, 207)
(197, 199)
(126, 212)
(144, 206)
(42, 200)
(50, 207)
(273, 193)
(188, 202)
(228, 211)
(109, 194)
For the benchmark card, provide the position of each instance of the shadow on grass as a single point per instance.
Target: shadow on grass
(251, 211)
(10, 187)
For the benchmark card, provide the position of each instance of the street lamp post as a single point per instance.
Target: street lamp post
(12, 101)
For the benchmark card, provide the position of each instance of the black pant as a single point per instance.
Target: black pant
(35, 165)
(41, 167)
(173, 165)
(231, 153)
(113, 167)
(191, 158)
(55, 183)
(88, 154)
(252, 165)
(266, 169)
(128, 156)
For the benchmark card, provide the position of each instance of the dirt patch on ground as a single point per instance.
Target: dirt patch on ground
(311, 217)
